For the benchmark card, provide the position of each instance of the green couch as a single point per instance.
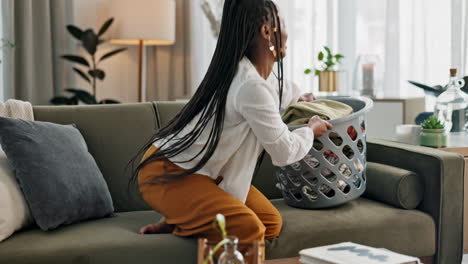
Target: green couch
(115, 133)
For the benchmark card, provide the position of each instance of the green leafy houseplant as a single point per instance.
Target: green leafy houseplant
(328, 61)
(90, 41)
(432, 123)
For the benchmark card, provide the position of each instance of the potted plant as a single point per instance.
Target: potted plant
(433, 133)
(89, 67)
(328, 76)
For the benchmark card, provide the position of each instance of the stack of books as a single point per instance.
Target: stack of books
(351, 253)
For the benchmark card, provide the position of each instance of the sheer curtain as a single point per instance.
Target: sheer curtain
(33, 71)
(416, 40)
(411, 43)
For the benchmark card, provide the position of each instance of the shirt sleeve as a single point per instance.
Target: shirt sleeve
(257, 105)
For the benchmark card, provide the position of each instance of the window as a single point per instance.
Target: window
(411, 43)
(416, 40)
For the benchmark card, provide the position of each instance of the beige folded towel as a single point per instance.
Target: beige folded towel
(17, 109)
(300, 113)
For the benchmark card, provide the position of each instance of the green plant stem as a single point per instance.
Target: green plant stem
(215, 249)
(94, 78)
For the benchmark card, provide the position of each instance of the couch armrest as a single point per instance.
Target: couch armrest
(442, 174)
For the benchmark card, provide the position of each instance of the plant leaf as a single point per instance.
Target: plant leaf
(83, 96)
(60, 100)
(105, 26)
(82, 74)
(320, 56)
(77, 59)
(109, 101)
(339, 56)
(221, 220)
(90, 41)
(328, 50)
(75, 31)
(73, 101)
(317, 72)
(112, 53)
(307, 71)
(100, 74)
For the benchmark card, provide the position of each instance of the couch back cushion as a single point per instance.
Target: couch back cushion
(114, 134)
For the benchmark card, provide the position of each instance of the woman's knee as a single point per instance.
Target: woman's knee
(252, 228)
(273, 226)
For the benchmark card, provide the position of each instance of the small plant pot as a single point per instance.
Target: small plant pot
(328, 81)
(433, 138)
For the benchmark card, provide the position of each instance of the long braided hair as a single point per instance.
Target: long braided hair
(241, 21)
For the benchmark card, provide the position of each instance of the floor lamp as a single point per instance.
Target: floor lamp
(143, 23)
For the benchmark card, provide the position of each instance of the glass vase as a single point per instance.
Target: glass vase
(231, 255)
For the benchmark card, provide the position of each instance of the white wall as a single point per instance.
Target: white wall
(122, 70)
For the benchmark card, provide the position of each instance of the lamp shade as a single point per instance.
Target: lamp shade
(150, 21)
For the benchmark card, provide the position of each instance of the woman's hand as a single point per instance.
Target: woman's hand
(308, 97)
(319, 126)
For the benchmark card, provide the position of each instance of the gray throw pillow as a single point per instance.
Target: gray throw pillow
(60, 180)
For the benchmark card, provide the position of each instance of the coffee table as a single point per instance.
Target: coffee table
(283, 261)
(425, 260)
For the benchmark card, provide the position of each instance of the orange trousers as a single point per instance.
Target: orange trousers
(191, 204)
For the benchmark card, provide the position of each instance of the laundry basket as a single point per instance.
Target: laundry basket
(332, 172)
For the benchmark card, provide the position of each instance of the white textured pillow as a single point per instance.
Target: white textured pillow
(14, 211)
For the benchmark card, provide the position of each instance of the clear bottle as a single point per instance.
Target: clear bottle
(451, 104)
(231, 255)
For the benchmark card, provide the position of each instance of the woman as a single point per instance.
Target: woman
(203, 161)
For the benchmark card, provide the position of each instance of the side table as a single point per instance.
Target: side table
(458, 143)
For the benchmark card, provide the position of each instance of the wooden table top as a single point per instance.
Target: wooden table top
(283, 261)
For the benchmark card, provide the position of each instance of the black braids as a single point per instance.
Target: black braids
(240, 23)
(280, 52)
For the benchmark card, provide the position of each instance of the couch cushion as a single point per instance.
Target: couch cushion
(115, 240)
(361, 221)
(111, 240)
(114, 134)
(58, 176)
(392, 185)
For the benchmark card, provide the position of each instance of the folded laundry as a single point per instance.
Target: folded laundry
(300, 113)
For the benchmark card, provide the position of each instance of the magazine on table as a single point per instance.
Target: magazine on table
(351, 253)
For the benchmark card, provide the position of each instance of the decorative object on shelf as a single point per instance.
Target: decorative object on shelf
(451, 105)
(90, 41)
(368, 76)
(5, 44)
(230, 254)
(438, 89)
(328, 76)
(433, 133)
(213, 10)
(144, 23)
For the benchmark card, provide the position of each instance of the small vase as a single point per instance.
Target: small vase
(231, 255)
(435, 138)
